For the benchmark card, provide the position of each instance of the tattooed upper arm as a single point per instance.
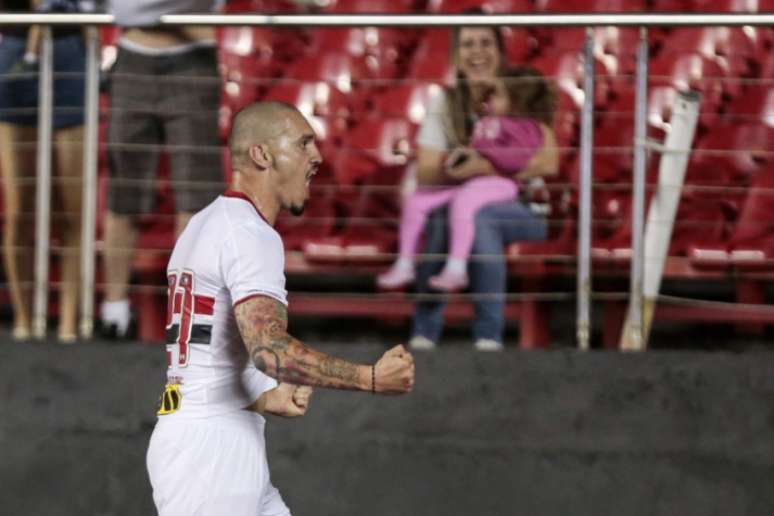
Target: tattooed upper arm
(263, 323)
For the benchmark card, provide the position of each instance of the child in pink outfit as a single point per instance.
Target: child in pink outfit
(508, 143)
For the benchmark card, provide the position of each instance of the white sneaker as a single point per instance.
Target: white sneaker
(420, 343)
(488, 345)
(116, 317)
(396, 277)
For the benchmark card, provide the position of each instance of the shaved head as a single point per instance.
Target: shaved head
(255, 124)
(274, 156)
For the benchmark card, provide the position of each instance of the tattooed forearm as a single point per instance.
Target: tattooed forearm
(336, 368)
(263, 324)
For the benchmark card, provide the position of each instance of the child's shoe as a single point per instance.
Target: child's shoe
(397, 277)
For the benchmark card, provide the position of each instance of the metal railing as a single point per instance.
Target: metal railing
(642, 20)
(416, 20)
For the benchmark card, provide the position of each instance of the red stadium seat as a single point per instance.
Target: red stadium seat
(614, 47)
(340, 71)
(255, 44)
(386, 48)
(261, 6)
(755, 106)
(726, 6)
(614, 150)
(729, 155)
(733, 49)
(286, 43)
(383, 53)
(670, 73)
(374, 144)
(317, 221)
(248, 63)
(591, 6)
(567, 70)
(432, 59)
(363, 41)
(566, 122)
(752, 242)
(242, 83)
(521, 45)
(487, 6)
(724, 163)
(368, 171)
(553, 40)
(671, 6)
(369, 6)
(617, 48)
(408, 101)
(327, 108)
(700, 223)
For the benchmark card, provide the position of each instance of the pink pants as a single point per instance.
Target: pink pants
(464, 202)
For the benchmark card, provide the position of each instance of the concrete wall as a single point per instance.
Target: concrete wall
(486, 434)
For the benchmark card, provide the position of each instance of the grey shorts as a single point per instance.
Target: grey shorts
(164, 102)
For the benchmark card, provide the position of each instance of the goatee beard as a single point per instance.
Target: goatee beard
(297, 210)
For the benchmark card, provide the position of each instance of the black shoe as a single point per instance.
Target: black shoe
(109, 331)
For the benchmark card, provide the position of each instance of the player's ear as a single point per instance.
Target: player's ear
(261, 156)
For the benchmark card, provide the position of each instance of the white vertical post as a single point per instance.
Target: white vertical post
(89, 206)
(583, 329)
(631, 339)
(43, 194)
(666, 199)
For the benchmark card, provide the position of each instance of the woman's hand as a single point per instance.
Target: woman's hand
(286, 400)
(545, 162)
(463, 163)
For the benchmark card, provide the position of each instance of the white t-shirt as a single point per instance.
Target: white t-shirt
(432, 132)
(227, 254)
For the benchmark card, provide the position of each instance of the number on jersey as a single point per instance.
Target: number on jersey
(180, 301)
(188, 317)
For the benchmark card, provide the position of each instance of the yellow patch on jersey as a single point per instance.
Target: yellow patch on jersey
(170, 400)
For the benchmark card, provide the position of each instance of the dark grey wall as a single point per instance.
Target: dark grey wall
(663, 433)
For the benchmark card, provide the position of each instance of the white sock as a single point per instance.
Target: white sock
(404, 264)
(456, 266)
(116, 312)
(30, 57)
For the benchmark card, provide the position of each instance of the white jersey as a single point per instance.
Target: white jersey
(227, 254)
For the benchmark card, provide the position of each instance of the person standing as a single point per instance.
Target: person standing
(164, 92)
(18, 136)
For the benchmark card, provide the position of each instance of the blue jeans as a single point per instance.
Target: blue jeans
(497, 225)
(19, 94)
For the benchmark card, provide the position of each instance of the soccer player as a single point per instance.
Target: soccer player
(227, 331)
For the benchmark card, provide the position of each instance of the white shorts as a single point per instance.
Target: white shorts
(212, 467)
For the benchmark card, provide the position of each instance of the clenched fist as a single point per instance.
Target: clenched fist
(394, 372)
(287, 400)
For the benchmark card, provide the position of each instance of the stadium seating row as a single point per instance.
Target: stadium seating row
(501, 6)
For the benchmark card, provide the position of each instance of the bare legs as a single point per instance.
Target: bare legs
(69, 187)
(120, 239)
(17, 161)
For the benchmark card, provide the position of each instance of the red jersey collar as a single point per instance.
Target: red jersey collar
(241, 195)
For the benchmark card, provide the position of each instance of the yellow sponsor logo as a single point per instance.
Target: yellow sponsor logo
(170, 400)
